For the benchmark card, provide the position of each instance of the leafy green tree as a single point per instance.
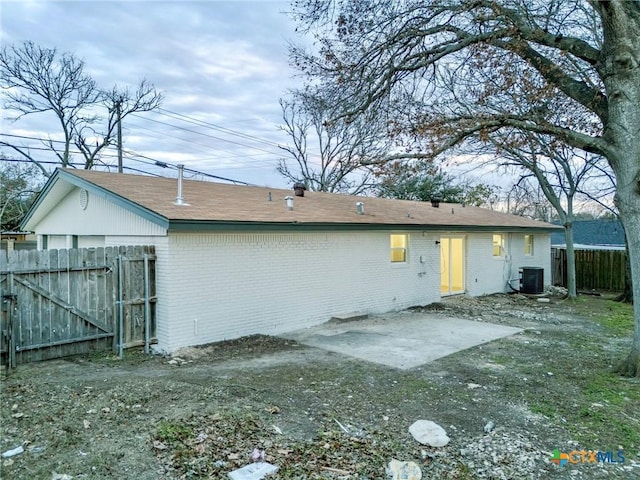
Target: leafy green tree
(423, 181)
(19, 185)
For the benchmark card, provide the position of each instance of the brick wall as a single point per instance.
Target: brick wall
(225, 286)
(487, 274)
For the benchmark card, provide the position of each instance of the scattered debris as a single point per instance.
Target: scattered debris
(13, 452)
(337, 471)
(253, 471)
(158, 445)
(429, 433)
(61, 476)
(398, 470)
(556, 291)
(258, 455)
(490, 425)
(344, 429)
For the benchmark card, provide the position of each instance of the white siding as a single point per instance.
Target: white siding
(90, 241)
(56, 242)
(101, 217)
(223, 286)
(124, 240)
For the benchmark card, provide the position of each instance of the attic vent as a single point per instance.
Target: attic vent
(289, 201)
(298, 189)
(435, 202)
(360, 208)
(84, 199)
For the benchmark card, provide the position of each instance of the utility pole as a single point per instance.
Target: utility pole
(119, 120)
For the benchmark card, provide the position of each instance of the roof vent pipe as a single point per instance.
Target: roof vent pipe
(299, 189)
(435, 202)
(179, 198)
(360, 208)
(289, 200)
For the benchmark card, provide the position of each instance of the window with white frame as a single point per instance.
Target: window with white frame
(498, 245)
(528, 245)
(399, 244)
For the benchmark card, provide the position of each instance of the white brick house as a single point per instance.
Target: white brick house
(237, 261)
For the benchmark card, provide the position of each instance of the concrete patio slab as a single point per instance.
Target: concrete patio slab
(402, 340)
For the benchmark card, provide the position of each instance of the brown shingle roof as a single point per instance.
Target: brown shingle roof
(220, 202)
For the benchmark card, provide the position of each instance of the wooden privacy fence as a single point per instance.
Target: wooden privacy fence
(595, 269)
(57, 303)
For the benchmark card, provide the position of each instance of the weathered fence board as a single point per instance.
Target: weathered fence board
(57, 303)
(595, 269)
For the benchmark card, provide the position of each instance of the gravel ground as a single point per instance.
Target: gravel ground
(316, 414)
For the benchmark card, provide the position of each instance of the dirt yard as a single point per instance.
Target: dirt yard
(316, 414)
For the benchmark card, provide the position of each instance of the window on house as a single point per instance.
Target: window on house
(399, 248)
(498, 245)
(528, 245)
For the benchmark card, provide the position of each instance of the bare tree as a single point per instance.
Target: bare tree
(40, 80)
(328, 154)
(119, 103)
(563, 174)
(465, 69)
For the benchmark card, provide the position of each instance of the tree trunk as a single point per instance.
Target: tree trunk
(631, 366)
(571, 260)
(627, 291)
(621, 76)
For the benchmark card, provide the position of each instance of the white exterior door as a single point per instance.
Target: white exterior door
(452, 265)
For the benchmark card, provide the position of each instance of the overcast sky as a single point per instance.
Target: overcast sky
(221, 62)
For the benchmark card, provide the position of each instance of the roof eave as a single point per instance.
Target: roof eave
(185, 226)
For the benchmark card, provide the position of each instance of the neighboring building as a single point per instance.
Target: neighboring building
(236, 260)
(17, 241)
(600, 234)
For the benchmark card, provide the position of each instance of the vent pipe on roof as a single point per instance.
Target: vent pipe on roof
(179, 198)
(289, 200)
(360, 208)
(435, 202)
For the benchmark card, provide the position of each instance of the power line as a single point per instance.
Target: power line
(214, 126)
(203, 134)
(32, 138)
(163, 164)
(134, 154)
(220, 128)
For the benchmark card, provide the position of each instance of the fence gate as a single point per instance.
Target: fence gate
(57, 303)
